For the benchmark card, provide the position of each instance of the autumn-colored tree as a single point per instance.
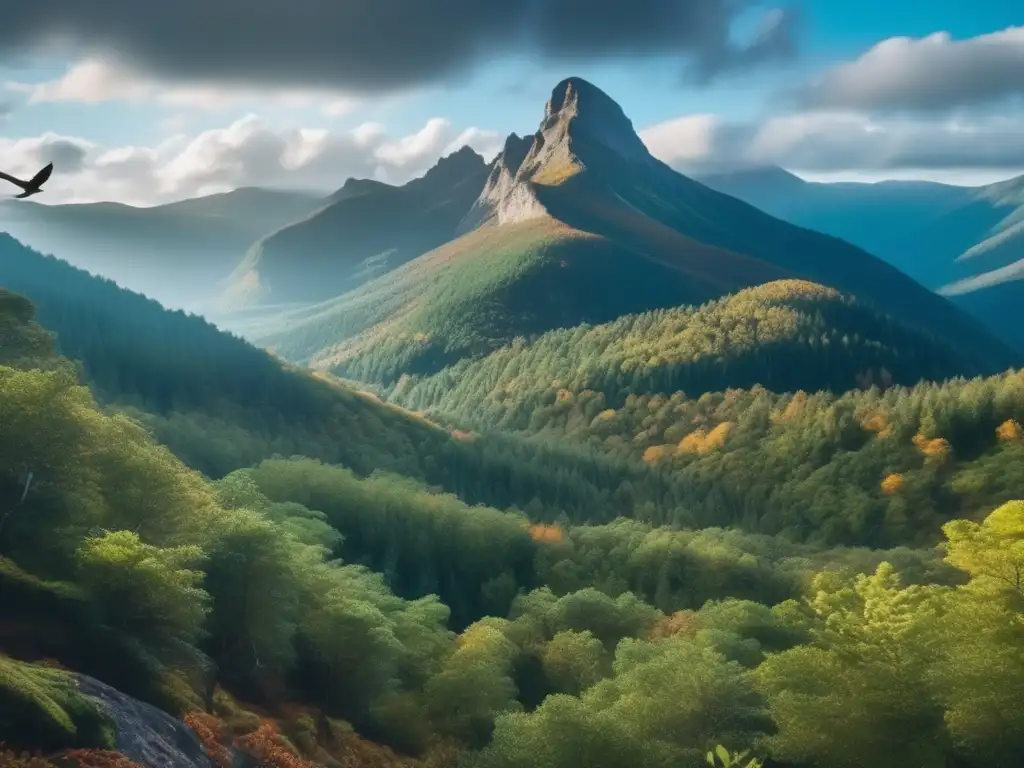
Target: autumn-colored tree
(892, 483)
(266, 746)
(1010, 431)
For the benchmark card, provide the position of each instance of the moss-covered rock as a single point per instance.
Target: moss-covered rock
(41, 708)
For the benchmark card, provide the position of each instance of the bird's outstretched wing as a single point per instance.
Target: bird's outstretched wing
(13, 180)
(40, 178)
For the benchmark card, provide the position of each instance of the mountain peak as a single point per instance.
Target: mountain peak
(451, 169)
(582, 127)
(591, 114)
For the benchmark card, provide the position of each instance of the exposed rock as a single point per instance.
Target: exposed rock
(146, 734)
(577, 116)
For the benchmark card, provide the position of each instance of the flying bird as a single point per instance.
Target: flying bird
(34, 185)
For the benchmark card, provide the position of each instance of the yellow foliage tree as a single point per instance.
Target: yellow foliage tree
(1010, 431)
(936, 450)
(892, 484)
(656, 453)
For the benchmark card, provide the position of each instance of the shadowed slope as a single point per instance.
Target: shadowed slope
(366, 229)
(176, 253)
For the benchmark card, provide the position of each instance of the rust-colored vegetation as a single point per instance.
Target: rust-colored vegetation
(892, 484)
(935, 450)
(547, 534)
(678, 623)
(1010, 431)
(211, 733)
(266, 745)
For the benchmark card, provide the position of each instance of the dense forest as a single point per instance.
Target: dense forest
(850, 468)
(418, 631)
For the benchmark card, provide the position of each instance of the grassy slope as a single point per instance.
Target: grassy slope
(481, 291)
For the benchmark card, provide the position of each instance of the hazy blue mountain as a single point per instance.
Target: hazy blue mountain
(954, 240)
(176, 253)
(365, 229)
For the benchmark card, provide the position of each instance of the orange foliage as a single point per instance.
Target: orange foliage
(937, 449)
(679, 623)
(793, 410)
(656, 453)
(211, 733)
(265, 745)
(465, 437)
(877, 423)
(892, 484)
(564, 396)
(703, 442)
(1009, 431)
(548, 534)
(608, 413)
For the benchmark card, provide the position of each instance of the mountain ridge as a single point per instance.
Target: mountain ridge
(366, 228)
(585, 227)
(177, 252)
(953, 240)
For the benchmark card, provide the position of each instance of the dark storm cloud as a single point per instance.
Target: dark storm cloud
(364, 45)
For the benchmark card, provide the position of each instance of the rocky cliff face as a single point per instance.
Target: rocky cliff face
(579, 118)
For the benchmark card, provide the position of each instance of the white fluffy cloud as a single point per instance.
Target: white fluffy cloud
(246, 153)
(95, 80)
(842, 141)
(928, 73)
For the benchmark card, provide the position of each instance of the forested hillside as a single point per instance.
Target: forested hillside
(239, 406)
(615, 646)
(785, 335)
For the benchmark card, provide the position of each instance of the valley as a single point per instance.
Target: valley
(561, 459)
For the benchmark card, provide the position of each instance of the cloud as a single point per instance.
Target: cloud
(383, 45)
(931, 73)
(247, 152)
(97, 79)
(840, 141)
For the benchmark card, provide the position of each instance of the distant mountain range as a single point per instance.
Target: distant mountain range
(177, 253)
(966, 243)
(363, 230)
(580, 224)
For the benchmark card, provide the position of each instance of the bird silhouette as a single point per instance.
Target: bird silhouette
(34, 185)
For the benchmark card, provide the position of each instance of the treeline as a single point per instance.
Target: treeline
(120, 562)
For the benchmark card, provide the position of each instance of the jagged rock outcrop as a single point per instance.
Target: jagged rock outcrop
(577, 116)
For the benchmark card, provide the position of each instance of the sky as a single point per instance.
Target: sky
(143, 103)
